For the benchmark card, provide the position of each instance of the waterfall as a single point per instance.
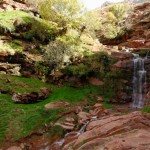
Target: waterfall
(139, 82)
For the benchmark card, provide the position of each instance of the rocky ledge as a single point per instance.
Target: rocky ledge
(112, 132)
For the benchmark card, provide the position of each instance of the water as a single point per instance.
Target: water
(139, 82)
(62, 141)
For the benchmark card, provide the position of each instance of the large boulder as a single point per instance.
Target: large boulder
(33, 97)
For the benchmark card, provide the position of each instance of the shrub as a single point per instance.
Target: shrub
(80, 70)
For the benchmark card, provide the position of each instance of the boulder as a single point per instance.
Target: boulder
(56, 105)
(33, 97)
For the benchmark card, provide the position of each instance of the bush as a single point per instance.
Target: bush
(80, 70)
(42, 30)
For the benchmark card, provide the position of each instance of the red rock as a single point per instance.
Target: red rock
(136, 43)
(70, 119)
(66, 125)
(125, 64)
(100, 99)
(139, 139)
(121, 55)
(97, 112)
(14, 148)
(56, 105)
(115, 133)
(97, 105)
(95, 81)
(83, 117)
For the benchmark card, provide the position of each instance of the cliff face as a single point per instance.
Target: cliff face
(140, 20)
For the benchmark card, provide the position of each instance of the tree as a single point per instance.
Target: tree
(63, 12)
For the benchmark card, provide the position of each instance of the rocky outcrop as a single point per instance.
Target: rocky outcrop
(8, 5)
(16, 64)
(33, 97)
(140, 20)
(113, 132)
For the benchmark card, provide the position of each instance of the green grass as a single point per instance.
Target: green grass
(7, 19)
(146, 109)
(10, 46)
(20, 120)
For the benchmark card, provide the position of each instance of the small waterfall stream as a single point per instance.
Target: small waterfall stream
(139, 82)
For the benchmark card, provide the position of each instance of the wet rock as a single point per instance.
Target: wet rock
(66, 125)
(56, 105)
(83, 117)
(32, 97)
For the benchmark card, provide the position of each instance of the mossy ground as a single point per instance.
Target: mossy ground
(18, 28)
(20, 120)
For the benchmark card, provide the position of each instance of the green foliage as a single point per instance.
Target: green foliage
(119, 11)
(64, 12)
(112, 21)
(42, 30)
(8, 18)
(146, 109)
(91, 21)
(41, 68)
(77, 70)
(63, 48)
(56, 131)
(105, 59)
(24, 25)
(99, 62)
(55, 52)
(11, 46)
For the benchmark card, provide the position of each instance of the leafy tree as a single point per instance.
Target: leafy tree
(119, 11)
(63, 12)
(112, 25)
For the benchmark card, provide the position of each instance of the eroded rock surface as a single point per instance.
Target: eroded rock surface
(114, 132)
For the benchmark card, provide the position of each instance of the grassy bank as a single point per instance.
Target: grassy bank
(20, 120)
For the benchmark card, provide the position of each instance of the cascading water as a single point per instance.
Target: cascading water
(139, 82)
